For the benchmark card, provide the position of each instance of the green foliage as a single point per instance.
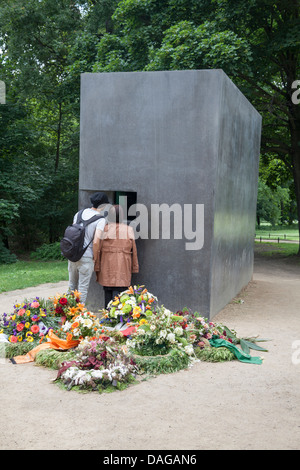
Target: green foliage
(48, 252)
(46, 45)
(187, 46)
(210, 354)
(53, 359)
(270, 203)
(18, 349)
(6, 257)
(162, 364)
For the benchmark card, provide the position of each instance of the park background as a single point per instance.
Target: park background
(45, 46)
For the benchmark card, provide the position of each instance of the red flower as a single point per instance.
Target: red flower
(35, 329)
(20, 326)
(63, 301)
(59, 310)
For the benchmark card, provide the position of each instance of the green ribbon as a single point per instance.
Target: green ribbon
(217, 342)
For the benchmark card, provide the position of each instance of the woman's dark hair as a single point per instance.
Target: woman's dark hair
(116, 214)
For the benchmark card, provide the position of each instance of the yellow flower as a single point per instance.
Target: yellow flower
(143, 321)
(136, 312)
(27, 325)
(1, 331)
(13, 317)
(28, 313)
(18, 305)
(19, 338)
(137, 309)
(30, 339)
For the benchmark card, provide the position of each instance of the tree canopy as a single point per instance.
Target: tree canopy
(45, 45)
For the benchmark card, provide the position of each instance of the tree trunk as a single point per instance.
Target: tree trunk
(58, 137)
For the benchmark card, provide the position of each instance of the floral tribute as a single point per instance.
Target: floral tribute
(67, 306)
(160, 333)
(29, 322)
(100, 363)
(86, 324)
(200, 330)
(135, 334)
(130, 306)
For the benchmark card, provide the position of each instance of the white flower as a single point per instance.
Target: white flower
(152, 327)
(178, 331)
(171, 337)
(97, 374)
(87, 322)
(141, 331)
(163, 333)
(189, 349)
(67, 326)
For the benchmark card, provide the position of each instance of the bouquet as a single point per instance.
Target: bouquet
(83, 325)
(200, 330)
(100, 363)
(30, 321)
(160, 333)
(67, 306)
(130, 306)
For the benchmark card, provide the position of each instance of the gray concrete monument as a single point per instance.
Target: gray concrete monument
(184, 146)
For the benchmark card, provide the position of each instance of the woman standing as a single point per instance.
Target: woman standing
(115, 255)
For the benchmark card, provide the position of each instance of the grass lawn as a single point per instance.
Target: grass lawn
(282, 232)
(24, 274)
(278, 249)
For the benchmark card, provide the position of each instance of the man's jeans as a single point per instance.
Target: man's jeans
(80, 274)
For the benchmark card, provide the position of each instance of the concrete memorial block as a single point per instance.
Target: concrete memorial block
(184, 146)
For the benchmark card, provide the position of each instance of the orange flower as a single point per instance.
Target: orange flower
(151, 300)
(75, 324)
(130, 290)
(73, 310)
(144, 291)
(69, 337)
(136, 315)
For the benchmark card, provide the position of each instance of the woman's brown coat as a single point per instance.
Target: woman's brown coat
(117, 256)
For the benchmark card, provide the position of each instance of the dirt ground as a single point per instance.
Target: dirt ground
(229, 405)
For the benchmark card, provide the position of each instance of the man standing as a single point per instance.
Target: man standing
(80, 272)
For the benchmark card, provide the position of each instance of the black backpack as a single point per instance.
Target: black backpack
(71, 244)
